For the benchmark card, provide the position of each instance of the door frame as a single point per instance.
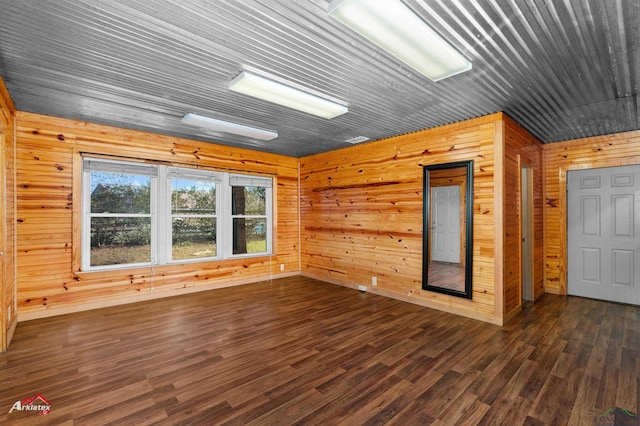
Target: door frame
(562, 210)
(527, 232)
(604, 237)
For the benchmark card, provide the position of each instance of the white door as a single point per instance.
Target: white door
(445, 224)
(603, 223)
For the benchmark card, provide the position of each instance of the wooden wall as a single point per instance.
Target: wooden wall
(603, 151)
(361, 215)
(8, 311)
(360, 209)
(48, 209)
(521, 150)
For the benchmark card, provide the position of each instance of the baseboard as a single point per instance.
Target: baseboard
(426, 303)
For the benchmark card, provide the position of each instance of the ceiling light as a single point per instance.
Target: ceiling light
(209, 123)
(288, 95)
(394, 27)
(357, 139)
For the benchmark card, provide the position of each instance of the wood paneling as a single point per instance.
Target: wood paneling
(360, 210)
(603, 151)
(521, 149)
(8, 311)
(48, 194)
(361, 214)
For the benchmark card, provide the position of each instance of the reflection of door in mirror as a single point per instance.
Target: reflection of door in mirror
(447, 219)
(445, 224)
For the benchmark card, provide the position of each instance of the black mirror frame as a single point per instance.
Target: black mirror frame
(468, 267)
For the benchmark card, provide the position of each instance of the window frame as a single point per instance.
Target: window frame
(161, 210)
(236, 180)
(165, 243)
(90, 165)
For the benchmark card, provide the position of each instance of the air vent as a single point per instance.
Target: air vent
(357, 139)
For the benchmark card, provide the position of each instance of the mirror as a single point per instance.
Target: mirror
(448, 228)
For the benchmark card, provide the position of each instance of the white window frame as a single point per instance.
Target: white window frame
(135, 169)
(161, 216)
(165, 239)
(245, 180)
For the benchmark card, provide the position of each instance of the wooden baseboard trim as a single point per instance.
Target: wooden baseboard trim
(427, 304)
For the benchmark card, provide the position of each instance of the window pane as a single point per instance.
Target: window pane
(193, 237)
(120, 193)
(249, 236)
(249, 200)
(193, 197)
(118, 240)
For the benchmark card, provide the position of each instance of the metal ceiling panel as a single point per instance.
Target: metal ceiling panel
(562, 69)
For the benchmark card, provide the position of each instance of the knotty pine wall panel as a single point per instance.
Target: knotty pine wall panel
(521, 150)
(8, 308)
(48, 208)
(620, 149)
(361, 214)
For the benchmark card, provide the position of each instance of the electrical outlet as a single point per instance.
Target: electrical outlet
(282, 266)
(362, 287)
(374, 280)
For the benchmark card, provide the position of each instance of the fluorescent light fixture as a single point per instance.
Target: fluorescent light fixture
(357, 139)
(209, 123)
(398, 30)
(288, 95)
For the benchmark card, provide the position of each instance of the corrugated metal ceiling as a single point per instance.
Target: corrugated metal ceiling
(563, 69)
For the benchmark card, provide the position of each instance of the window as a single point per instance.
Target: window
(118, 213)
(249, 215)
(148, 214)
(194, 221)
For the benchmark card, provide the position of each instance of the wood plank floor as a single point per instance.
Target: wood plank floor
(299, 351)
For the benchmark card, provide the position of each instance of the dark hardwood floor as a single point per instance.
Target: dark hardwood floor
(299, 351)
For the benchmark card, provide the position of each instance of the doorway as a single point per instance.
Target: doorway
(526, 231)
(603, 244)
